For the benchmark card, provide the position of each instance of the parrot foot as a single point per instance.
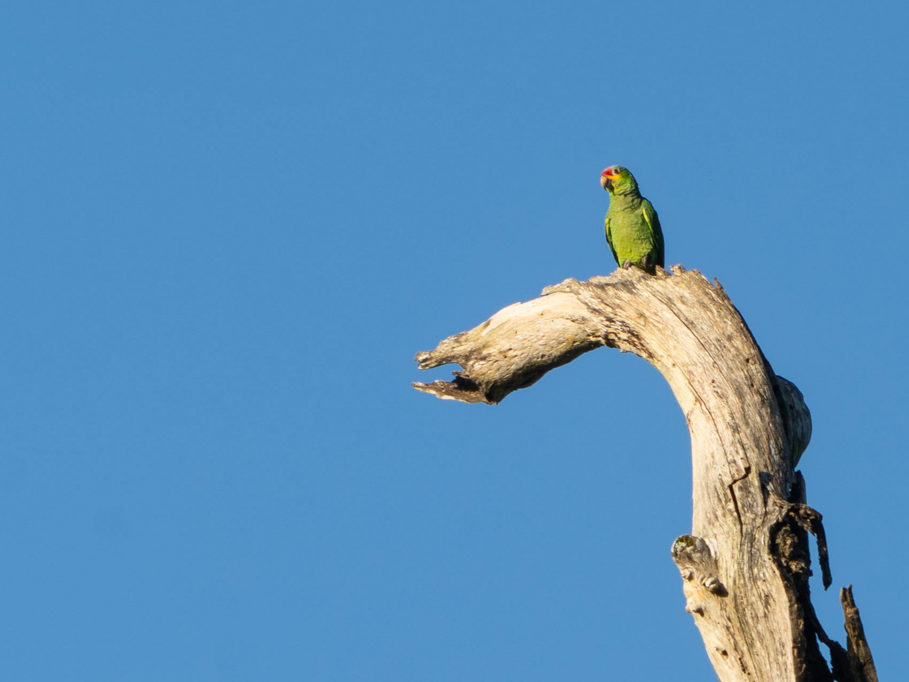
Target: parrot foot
(627, 264)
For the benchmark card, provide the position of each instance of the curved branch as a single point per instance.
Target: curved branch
(748, 427)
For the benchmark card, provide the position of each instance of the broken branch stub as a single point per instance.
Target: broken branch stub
(512, 349)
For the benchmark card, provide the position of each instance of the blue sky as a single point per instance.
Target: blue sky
(229, 226)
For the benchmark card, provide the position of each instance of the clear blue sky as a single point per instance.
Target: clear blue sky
(228, 227)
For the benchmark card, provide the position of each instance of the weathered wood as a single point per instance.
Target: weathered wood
(860, 662)
(748, 428)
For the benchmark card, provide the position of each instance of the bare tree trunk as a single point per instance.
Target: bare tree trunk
(745, 565)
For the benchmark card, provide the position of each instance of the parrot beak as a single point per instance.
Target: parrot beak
(606, 181)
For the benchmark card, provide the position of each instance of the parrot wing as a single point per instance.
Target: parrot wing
(609, 240)
(653, 222)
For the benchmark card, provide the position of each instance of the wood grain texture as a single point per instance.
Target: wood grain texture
(748, 428)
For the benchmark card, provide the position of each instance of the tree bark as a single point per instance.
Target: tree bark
(745, 563)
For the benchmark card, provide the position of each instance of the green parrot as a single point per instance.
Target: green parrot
(632, 226)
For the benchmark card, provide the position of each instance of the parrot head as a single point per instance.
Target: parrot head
(618, 180)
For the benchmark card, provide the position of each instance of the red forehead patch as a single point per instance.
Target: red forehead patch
(608, 171)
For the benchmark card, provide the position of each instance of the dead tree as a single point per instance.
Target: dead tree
(745, 564)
